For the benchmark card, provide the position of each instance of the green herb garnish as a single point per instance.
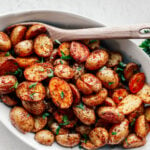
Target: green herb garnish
(85, 138)
(79, 68)
(121, 64)
(42, 69)
(110, 83)
(33, 85)
(51, 74)
(62, 94)
(120, 97)
(31, 95)
(28, 115)
(145, 45)
(57, 130)
(81, 106)
(57, 41)
(7, 54)
(18, 72)
(15, 85)
(92, 41)
(103, 68)
(41, 60)
(114, 133)
(147, 31)
(61, 62)
(64, 56)
(126, 141)
(65, 121)
(133, 121)
(45, 115)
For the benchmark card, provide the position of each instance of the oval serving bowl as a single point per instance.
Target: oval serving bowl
(130, 51)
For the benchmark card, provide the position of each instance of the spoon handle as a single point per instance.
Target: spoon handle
(121, 32)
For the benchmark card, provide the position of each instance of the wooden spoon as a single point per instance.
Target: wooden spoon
(120, 32)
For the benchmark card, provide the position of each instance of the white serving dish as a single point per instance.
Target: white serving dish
(130, 51)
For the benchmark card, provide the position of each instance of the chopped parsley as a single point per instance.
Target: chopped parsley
(7, 54)
(147, 31)
(65, 121)
(57, 130)
(62, 94)
(85, 138)
(57, 41)
(18, 72)
(126, 141)
(28, 115)
(121, 64)
(145, 45)
(51, 74)
(64, 56)
(133, 121)
(110, 83)
(114, 133)
(61, 62)
(120, 97)
(15, 85)
(81, 106)
(33, 85)
(31, 95)
(103, 68)
(45, 115)
(79, 68)
(42, 69)
(41, 60)
(92, 41)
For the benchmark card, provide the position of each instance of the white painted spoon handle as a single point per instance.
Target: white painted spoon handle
(121, 32)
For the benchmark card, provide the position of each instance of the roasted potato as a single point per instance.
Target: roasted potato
(6, 99)
(21, 119)
(63, 71)
(43, 45)
(92, 44)
(8, 84)
(5, 43)
(99, 136)
(88, 145)
(96, 60)
(83, 129)
(79, 52)
(129, 104)
(60, 92)
(60, 62)
(18, 34)
(44, 137)
(64, 49)
(68, 140)
(24, 48)
(30, 91)
(147, 113)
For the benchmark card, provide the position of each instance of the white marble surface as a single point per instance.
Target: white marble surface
(109, 12)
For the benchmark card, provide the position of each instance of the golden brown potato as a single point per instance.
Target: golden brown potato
(44, 137)
(114, 59)
(99, 136)
(129, 104)
(21, 119)
(60, 92)
(24, 48)
(96, 99)
(64, 49)
(43, 45)
(60, 62)
(109, 102)
(83, 129)
(8, 84)
(5, 43)
(63, 71)
(118, 132)
(30, 91)
(88, 145)
(110, 114)
(108, 77)
(35, 108)
(17, 34)
(96, 60)
(35, 30)
(84, 114)
(141, 126)
(144, 94)
(6, 99)
(147, 113)
(133, 141)
(68, 140)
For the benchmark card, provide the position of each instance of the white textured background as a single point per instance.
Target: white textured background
(109, 12)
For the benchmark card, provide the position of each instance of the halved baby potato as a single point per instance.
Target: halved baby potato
(6, 99)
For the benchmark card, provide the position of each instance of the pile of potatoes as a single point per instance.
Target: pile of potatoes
(74, 92)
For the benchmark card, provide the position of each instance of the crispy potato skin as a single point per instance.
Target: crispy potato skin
(109, 102)
(118, 132)
(24, 48)
(44, 137)
(108, 77)
(133, 141)
(39, 123)
(21, 119)
(129, 104)
(6, 99)
(144, 94)
(35, 108)
(114, 59)
(147, 113)
(35, 30)
(63, 71)
(68, 140)
(17, 34)
(96, 99)
(99, 136)
(141, 128)
(6, 84)
(60, 92)
(25, 93)
(96, 60)
(60, 62)
(110, 114)
(83, 129)
(79, 52)
(85, 115)
(5, 43)
(24, 62)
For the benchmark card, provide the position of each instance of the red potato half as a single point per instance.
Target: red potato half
(21, 119)
(43, 45)
(6, 99)
(5, 43)
(38, 71)
(133, 141)
(60, 92)
(96, 60)
(24, 48)
(27, 92)
(97, 99)
(24, 62)
(79, 52)
(64, 48)
(64, 71)
(129, 104)
(118, 132)
(34, 31)
(17, 34)
(7, 84)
